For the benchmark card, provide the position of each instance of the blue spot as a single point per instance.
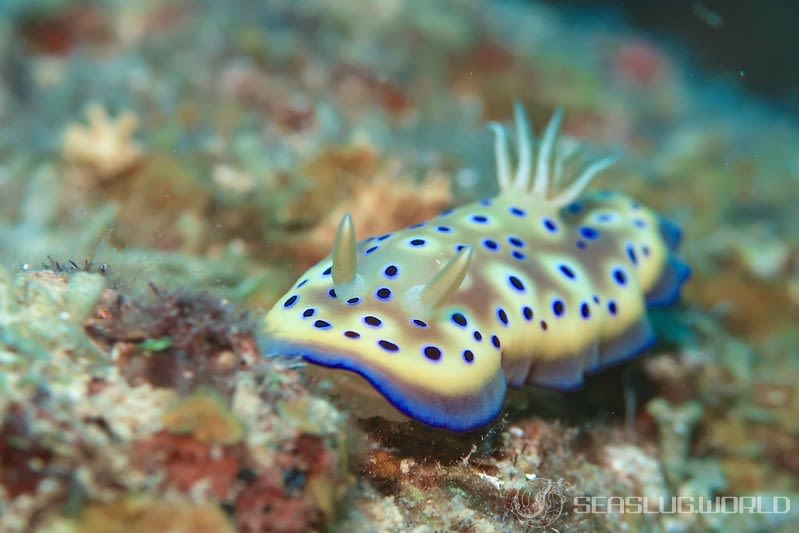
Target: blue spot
(631, 254)
(581, 245)
(612, 307)
(549, 224)
(459, 319)
(302, 283)
(639, 223)
(516, 283)
(370, 250)
(432, 352)
(354, 300)
(527, 313)
(620, 276)
(495, 341)
(291, 300)
(447, 212)
(388, 345)
(327, 271)
(444, 229)
(491, 245)
(645, 250)
(419, 323)
(596, 299)
(309, 312)
(352, 334)
(477, 336)
(585, 311)
(332, 293)
(384, 237)
(321, 324)
(574, 208)
(417, 242)
(468, 356)
(518, 255)
(516, 241)
(589, 233)
(391, 271)
(568, 272)
(558, 307)
(485, 202)
(479, 219)
(515, 211)
(502, 316)
(459, 247)
(373, 321)
(383, 293)
(416, 225)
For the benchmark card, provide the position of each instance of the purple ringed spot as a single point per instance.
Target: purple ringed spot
(585, 311)
(417, 242)
(558, 307)
(589, 233)
(518, 255)
(321, 324)
(502, 316)
(290, 301)
(495, 342)
(620, 276)
(383, 293)
(479, 219)
(516, 241)
(468, 356)
(567, 271)
(459, 319)
(419, 323)
(515, 211)
(516, 283)
(549, 225)
(391, 271)
(432, 352)
(491, 245)
(352, 334)
(370, 250)
(309, 312)
(372, 321)
(527, 313)
(388, 345)
(631, 254)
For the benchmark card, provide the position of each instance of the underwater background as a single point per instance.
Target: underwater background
(169, 168)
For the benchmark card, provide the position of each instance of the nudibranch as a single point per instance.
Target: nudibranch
(532, 286)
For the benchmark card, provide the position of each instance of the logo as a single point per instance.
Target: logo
(540, 503)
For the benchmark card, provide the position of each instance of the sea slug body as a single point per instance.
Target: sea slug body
(528, 287)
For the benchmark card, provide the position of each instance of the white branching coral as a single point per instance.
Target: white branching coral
(105, 147)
